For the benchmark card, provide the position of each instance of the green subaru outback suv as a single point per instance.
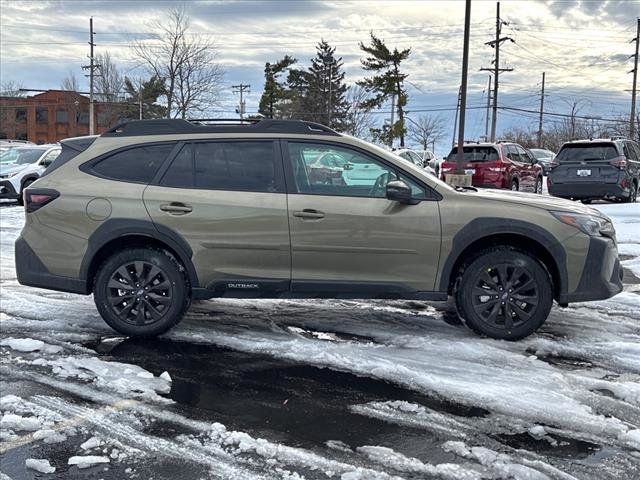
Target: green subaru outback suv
(155, 213)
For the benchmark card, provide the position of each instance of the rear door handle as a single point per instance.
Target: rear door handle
(176, 208)
(309, 214)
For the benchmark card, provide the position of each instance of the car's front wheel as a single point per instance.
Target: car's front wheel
(633, 194)
(504, 293)
(514, 185)
(141, 292)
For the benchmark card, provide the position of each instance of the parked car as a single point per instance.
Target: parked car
(21, 166)
(155, 213)
(417, 158)
(544, 158)
(596, 169)
(6, 144)
(498, 165)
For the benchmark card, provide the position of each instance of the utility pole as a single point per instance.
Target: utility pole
(329, 78)
(455, 121)
(634, 90)
(393, 109)
(91, 67)
(486, 120)
(241, 89)
(463, 92)
(541, 112)
(496, 69)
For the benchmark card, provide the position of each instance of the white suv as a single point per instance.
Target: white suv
(21, 166)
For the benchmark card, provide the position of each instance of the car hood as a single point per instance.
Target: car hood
(11, 168)
(535, 200)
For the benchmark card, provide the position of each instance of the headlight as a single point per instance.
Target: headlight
(589, 224)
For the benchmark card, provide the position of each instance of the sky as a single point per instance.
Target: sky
(583, 46)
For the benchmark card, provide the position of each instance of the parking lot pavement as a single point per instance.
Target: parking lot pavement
(320, 389)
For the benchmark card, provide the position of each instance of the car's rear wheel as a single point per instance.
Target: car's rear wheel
(504, 293)
(539, 186)
(141, 292)
(24, 185)
(514, 185)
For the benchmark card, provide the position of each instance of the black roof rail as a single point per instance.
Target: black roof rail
(180, 126)
(223, 121)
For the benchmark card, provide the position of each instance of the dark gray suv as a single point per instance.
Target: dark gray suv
(596, 169)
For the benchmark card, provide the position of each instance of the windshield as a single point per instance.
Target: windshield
(21, 156)
(539, 153)
(587, 152)
(473, 153)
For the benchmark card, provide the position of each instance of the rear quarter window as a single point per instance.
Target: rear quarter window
(137, 164)
(588, 152)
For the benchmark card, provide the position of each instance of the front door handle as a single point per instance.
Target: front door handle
(309, 214)
(176, 208)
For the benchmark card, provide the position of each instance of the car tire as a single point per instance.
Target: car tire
(141, 292)
(492, 292)
(514, 185)
(633, 194)
(539, 186)
(24, 185)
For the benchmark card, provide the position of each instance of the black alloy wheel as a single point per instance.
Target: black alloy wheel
(504, 293)
(141, 292)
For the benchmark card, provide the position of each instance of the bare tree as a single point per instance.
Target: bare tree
(359, 117)
(109, 83)
(11, 88)
(70, 83)
(426, 130)
(184, 61)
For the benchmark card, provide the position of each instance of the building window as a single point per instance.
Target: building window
(21, 135)
(83, 118)
(104, 119)
(21, 115)
(42, 115)
(62, 116)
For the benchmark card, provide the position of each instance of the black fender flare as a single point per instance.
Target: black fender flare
(485, 227)
(122, 227)
(31, 176)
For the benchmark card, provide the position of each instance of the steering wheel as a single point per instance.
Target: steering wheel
(379, 189)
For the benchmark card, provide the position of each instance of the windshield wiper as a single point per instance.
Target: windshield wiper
(462, 189)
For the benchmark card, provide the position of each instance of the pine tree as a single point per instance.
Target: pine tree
(146, 92)
(318, 94)
(274, 97)
(387, 81)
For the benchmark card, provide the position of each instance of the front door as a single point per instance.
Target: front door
(346, 236)
(227, 200)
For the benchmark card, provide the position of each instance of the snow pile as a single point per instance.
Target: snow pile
(128, 380)
(39, 465)
(93, 442)
(29, 345)
(397, 461)
(11, 421)
(86, 461)
(49, 436)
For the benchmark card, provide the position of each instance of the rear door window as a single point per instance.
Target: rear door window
(234, 166)
(138, 164)
(473, 153)
(587, 152)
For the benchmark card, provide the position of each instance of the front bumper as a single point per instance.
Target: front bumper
(587, 190)
(602, 273)
(7, 190)
(33, 273)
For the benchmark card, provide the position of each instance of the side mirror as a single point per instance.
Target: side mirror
(399, 191)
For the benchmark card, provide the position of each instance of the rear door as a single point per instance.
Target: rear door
(586, 162)
(528, 169)
(227, 199)
(348, 237)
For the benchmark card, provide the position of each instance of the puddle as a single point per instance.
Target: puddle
(552, 445)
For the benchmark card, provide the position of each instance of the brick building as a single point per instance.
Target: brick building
(53, 115)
